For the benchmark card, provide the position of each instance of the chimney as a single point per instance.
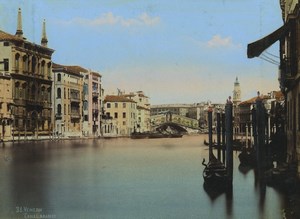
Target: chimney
(44, 40)
(19, 32)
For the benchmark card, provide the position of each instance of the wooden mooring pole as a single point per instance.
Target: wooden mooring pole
(261, 127)
(210, 132)
(229, 139)
(223, 138)
(219, 135)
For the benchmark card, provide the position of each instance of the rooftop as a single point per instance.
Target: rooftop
(73, 69)
(117, 98)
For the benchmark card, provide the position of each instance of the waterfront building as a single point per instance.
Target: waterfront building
(143, 110)
(123, 111)
(92, 104)
(289, 76)
(26, 85)
(67, 100)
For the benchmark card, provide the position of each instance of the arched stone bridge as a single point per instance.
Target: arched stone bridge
(178, 122)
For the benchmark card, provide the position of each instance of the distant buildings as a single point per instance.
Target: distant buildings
(130, 112)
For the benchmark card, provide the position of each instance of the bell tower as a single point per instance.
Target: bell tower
(236, 92)
(19, 32)
(44, 40)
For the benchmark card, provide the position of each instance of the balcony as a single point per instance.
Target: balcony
(75, 99)
(285, 73)
(34, 102)
(75, 115)
(20, 102)
(58, 116)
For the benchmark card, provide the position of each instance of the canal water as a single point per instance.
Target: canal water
(124, 178)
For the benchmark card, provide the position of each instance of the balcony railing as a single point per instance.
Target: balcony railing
(75, 115)
(58, 116)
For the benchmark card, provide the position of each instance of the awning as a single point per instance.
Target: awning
(256, 48)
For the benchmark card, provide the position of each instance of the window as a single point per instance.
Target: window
(124, 105)
(49, 69)
(124, 122)
(108, 115)
(6, 64)
(116, 105)
(108, 105)
(86, 118)
(65, 109)
(124, 115)
(43, 67)
(116, 115)
(17, 62)
(58, 109)
(58, 93)
(58, 77)
(25, 65)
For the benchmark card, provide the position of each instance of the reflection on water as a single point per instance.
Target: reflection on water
(125, 178)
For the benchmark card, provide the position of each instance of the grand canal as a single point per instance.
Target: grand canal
(124, 178)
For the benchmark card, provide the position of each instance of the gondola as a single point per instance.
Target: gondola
(247, 157)
(139, 135)
(214, 172)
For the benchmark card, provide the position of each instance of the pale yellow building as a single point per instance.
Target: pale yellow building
(143, 110)
(123, 111)
(67, 100)
(26, 85)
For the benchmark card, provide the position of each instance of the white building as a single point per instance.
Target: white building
(92, 104)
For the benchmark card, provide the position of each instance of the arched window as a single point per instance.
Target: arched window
(17, 90)
(49, 69)
(24, 91)
(43, 67)
(25, 66)
(17, 62)
(43, 94)
(49, 94)
(58, 93)
(33, 64)
(32, 92)
(58, 109)
(58, 77)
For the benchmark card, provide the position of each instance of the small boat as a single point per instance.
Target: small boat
(247, 157)
(139, 135)
(175, 135)
(158, 135)
(215, 172)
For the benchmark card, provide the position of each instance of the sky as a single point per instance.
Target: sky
(176, 51)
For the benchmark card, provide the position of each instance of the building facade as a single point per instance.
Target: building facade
(27, 85)
(290, 77)
(92, 104)
(143, 110)
(123, 111)
(67, 100)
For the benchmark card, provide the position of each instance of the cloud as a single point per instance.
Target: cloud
(218, 41)
(110, 19)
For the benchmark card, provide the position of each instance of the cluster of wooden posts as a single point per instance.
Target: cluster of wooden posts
(219, 169)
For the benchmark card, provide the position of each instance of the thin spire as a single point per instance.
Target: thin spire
(44, 40)
(19, 32)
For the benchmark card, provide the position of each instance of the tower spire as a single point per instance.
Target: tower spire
(19, 32)
(44, 40)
